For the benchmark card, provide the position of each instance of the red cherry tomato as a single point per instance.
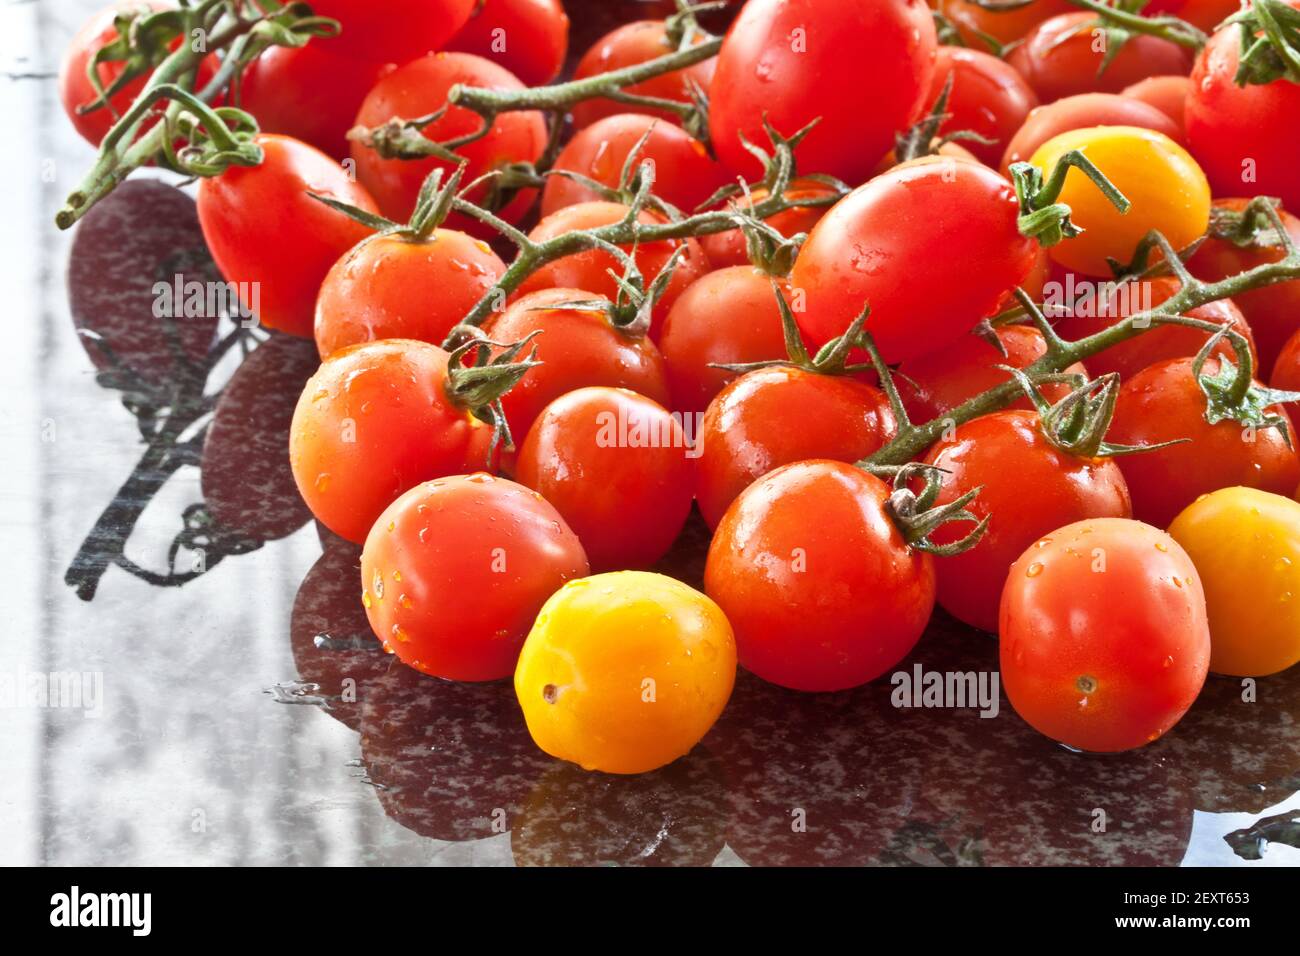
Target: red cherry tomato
(589, 269)
(528, 37)
(1203, 14)
(1286, 373)
(774, 416)
(394, 30)
(457, 602)
(1064, 55)
(628, 45)
(685, 175)
(731, 249)
(793, 61)
(1104, 638)
(728, 317)
(1076, 112)
(1004, 26)
(877, 247)
(1028, 488)
(618, 467)
(821, 589)
(577, 348)
(420, 87)
(988, 97)
(270, 237)
(1164, 402)
(399, 287)
(372, 422)
(1168, 94)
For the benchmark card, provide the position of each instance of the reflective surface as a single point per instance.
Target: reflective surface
(234, 709)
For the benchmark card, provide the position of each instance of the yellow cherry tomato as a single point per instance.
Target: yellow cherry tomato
(1245, 544)
(625, 672)
(1167, 188)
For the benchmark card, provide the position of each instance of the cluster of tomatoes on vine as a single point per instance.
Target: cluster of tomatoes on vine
(819, 301)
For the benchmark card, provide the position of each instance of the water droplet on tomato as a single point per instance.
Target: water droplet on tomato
(1034, 570)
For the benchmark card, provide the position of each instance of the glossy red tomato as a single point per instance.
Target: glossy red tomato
(419, 88)
(589, 269)
(728, 317)
(881, 245)
(1286, 373)
(628, 45)
(1168, 94)
(1203, 14)
(394, 30)
(267, 234)
(1004, 26)
(793, 61)
(395, 286)
(1164, 402)
(577, 348)
(774, 416)
(1076, 112)
(1027, 488)
(988, 97)
(375, 420)
(821, 589)
(1243, 136)
(618, 467)
(1104, 637)
(685, 175)
(528, 37)
(1064, 56)
(455, 570)
(730, 248)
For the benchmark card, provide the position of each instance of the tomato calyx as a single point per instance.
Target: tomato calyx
(1231, 393)
(477, 378)
(632, 309)
(1253, 227)
(631, 181)
(1123, 20)
(916, 515)
(923, 139)
(1270, 43)
(831, 358)
(143, 41)
(432, 206)
(779, 170)
(1041, 216)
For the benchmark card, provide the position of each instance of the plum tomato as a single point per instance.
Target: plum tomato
(618, 467)
(396, 30)
(1003, 25)
(455, 570)
(1078, 112)
(1027, 488)
(1167, 190)
(576, 348)
(528, 37)
(403, 286)
(988, 97)
(375, 420)
(794, 61)
(1245, 544)
(727, 317)
(730, 248)
(1165, 402)
(821, 588)
(878, 245)
(419, 88)
(267, 234)
(1168, 94)
(625, 672)
(685, 174)
(1104, 641)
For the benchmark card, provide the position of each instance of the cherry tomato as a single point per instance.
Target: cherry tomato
(1028, 488)
(395, 286)
(1203, 14)
(420, 87)
(271, 238)
(1064, 56)
(685, 175)
(1286, 373)
(728, 317)
(820, 586)
(1243, 136)
(1164, 402)
(1168, 94)
(1245, 544)
(1004, 26)
(374, 421)
(1077, 112)
(1152, 345)
(619, 468)
(395, 30)
(457, 601)
(884, 245)
(528, 37)
(1104, 638)
(629, 45)
(625, 672)
(793, 61)
(589, 269)
(577, 348)
(988, 97)
(311, 93)
(729, 248)
(1166, 187)
(1273, 311)
(774, 416)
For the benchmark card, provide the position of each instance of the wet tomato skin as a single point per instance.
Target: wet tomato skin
(528, 37)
